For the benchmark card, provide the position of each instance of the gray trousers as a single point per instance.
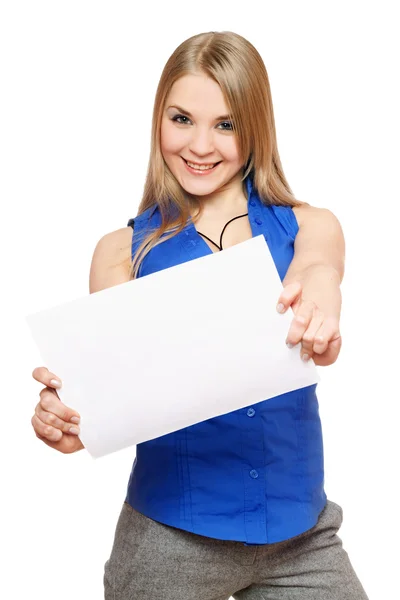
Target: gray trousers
(153, 561)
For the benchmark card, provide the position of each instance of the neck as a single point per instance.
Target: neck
(228, 200)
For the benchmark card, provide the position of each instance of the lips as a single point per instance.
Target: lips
(201, 166)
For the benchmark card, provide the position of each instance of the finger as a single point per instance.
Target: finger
(49, 402)
(309, 337)
(43, 375)
(331, 353)
(300, 323)
(45, 431)
(67, 444)
(51, 419)
(327, 333)
(288, 296)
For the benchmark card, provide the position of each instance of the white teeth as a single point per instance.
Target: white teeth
(200, 167)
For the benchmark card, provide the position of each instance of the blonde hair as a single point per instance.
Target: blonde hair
(234, 63)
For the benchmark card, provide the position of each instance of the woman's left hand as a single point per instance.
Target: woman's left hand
(319, 334)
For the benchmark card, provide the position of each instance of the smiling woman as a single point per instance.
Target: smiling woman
(236, 505)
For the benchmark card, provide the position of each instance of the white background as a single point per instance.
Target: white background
(78, 80)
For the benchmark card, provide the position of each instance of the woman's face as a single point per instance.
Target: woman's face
(197, 140)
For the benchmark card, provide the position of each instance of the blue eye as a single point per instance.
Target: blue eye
(226, 126)
(179, 119)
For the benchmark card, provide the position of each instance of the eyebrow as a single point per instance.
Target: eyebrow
(186, 112)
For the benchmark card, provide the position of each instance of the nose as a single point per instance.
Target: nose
(201, 142)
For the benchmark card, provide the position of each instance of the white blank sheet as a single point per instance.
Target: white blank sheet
(148, 357)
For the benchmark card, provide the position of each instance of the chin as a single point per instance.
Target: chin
(200, 188)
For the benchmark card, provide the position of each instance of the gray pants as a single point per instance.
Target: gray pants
(152, 561)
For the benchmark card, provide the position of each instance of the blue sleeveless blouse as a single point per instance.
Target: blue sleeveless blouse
(255, 475)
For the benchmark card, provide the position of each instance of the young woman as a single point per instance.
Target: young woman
(235, 505)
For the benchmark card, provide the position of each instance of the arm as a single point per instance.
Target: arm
(111, 260)
(312, 284)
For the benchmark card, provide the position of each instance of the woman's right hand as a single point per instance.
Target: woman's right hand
(53, 420)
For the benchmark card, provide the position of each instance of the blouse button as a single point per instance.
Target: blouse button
(258, 221)
(253, 474)
(251, 412)
(252, 203)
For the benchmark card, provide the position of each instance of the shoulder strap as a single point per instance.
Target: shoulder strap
(287, 219)
(146, 220)
(142, 225)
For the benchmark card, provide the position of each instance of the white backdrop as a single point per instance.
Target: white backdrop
(78, 80)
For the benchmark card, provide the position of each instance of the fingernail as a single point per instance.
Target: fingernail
(74, 430)
(56, 383)
(75, 420)
(280, 307)
(289, 345)
(305, 357)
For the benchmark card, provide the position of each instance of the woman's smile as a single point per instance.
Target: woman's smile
(200, 168)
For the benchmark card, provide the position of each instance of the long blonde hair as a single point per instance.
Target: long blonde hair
(234, 63)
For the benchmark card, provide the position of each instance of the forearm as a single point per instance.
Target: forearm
(321, 285)
(312, 286)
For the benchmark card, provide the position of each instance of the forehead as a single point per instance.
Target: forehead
(198, 93)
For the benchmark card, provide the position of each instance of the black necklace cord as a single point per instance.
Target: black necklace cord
(222, 232)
